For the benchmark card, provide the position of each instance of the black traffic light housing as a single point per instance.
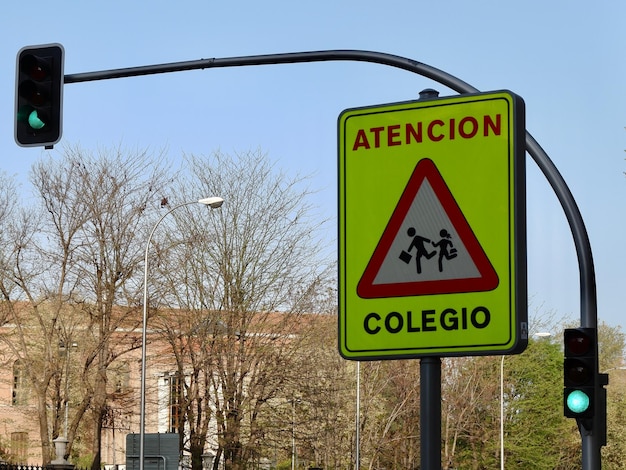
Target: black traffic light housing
(39, 95)
(580, 370)
(584, 396)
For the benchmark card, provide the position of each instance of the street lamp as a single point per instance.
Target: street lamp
(213, 203)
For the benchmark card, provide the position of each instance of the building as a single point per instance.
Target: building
(64, 364)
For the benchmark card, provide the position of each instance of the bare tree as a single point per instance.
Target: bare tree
(470, 410)
(249, 272)
(95, 208)
(32, 342)
(325, 391)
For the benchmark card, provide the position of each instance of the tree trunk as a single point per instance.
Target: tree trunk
(46, 446)
(96, 443)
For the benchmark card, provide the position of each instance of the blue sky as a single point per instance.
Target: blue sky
(566, 59)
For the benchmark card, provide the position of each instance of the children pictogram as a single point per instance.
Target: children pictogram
(445, 250)
(428, 247)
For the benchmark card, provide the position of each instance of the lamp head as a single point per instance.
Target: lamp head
(213, 202)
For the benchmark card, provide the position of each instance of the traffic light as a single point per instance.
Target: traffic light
(39, 95)
(580, 370)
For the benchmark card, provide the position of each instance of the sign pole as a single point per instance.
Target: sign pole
(430, 413)
(430, 393)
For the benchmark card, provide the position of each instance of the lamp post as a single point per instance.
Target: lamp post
(213, 203)
(60, 443)
(66, 349)
(357, 437)
(502, 413)
(294, 453)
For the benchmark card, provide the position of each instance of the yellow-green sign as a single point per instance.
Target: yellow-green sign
(432, 244)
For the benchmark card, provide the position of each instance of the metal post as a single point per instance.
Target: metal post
(213, 203)
(430, 390)
(430, 413)
(590, 441)
(357, 457)
(142, 392)
(502, 413)
(67, 390)
(293, 434)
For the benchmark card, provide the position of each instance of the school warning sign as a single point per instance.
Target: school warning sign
(432, 245)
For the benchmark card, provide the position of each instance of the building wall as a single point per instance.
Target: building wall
(19, 422)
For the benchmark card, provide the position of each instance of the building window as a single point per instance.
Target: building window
(20, 390)
(121, 378)
(19, 446)
(175, 401)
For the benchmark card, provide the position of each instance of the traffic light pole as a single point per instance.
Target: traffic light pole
(591, 440)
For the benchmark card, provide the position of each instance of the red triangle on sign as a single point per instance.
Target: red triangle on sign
(410, 261)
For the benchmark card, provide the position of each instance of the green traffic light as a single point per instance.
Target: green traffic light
(34, 121)
(31, 116)
(578, 401)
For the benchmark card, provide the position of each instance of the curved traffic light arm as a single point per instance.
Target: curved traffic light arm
(588, 296)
